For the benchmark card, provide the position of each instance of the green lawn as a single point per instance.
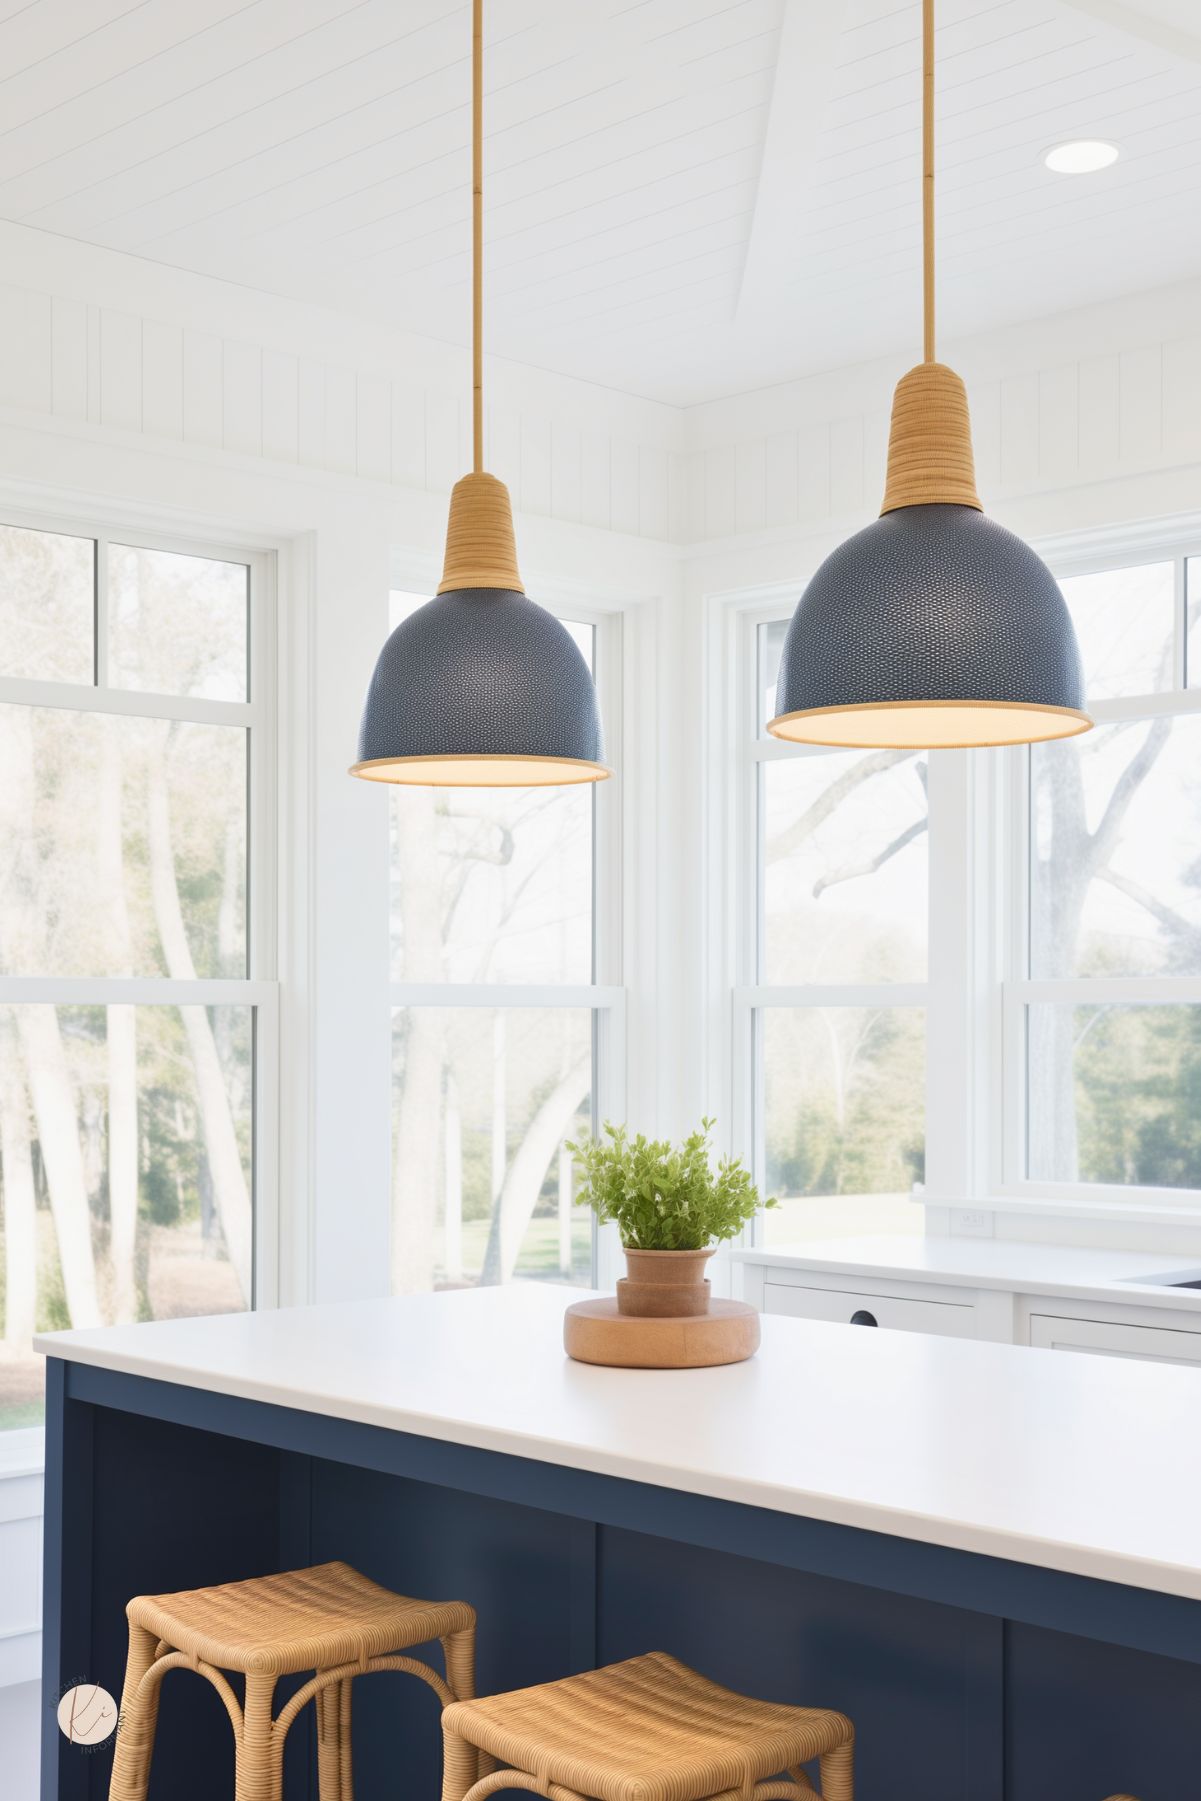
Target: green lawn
(539, 1253)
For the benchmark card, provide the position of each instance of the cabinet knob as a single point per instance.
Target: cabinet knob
(861, 1317)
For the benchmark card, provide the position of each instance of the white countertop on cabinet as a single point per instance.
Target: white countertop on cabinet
(1005, 1263)
(1085, 1464)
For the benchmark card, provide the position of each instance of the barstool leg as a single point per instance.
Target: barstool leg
(136, 1723)
(335, 1781)
(459, 1651)
(460, 1765)
(345, 1760)
(837, 1769)
(259, 1764)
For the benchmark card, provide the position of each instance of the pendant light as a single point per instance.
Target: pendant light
(481, 687)
(934, 626)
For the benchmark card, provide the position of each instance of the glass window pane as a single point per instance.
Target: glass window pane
(1113, 1094)
(844, 1119)
(1192, 579)
(771, 645)
(122, 846)
(1115, 874)
(492, 884)
(177, 624)
(47, 606)
(125, 1173)
(483, 1099)
(1123, 620)
(845, 867)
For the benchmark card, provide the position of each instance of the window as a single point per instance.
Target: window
(1103, 1009)
(1022, 1029)
(137, 1020)
(506, 1025)
(835, 1007)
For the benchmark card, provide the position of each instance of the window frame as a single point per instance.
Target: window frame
(1011, 1186)
(977, 983)
(751, 994)
(605, 994)
(259, 715)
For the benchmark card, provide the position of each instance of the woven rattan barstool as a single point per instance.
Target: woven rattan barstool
(647, 1730)
(328, 1619)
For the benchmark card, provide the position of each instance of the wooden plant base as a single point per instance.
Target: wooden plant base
(595, 1332)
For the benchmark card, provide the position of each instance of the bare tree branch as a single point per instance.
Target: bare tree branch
(869, 865)
(1125, 789)
(832, 797)
(1185, 929)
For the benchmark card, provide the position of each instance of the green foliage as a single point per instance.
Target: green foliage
(861, 1134)
(665, 1197)
(1138, 1095)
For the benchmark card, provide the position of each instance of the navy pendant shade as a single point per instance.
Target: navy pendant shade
(481, 687)
(934, 626)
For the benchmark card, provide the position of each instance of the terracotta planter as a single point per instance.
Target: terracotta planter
(664, 1284)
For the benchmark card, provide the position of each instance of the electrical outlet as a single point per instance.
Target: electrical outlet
(971, 1222)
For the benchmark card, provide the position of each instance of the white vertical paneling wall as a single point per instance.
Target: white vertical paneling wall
(92, 338)
(20, 1558)
(1070, 417)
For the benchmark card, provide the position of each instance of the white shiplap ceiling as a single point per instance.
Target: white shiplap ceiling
(685, 197)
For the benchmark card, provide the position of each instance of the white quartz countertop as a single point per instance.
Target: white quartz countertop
(1008, 1263)
(1085, 1464)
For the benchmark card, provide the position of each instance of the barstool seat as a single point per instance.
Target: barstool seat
(329, 1619)
(650, 1729)
(300, 1620)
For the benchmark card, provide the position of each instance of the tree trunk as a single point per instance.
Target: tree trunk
(20, 1204)
(121, 1044)
(566, 1206)
(23, 948)
(58, 1136)
(519, 1196)
(500, 1111)
(452, 1184)
(122, 1051)
(230, 1191)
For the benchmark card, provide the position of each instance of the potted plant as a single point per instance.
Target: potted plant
(671, 1206)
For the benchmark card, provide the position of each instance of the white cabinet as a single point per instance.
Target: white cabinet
(999, 1290)
(949, 1318)
(1112, 1338)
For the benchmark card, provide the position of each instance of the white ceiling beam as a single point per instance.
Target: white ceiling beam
(775, 253)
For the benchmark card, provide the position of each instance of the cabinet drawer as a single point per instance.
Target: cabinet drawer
(951, 1319)
(1107, 1338)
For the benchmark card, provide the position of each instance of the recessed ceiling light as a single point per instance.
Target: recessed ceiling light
(1083, 156)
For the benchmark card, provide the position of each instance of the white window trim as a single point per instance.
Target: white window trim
(260, 715)
(973, 996)
(605, 995)
(1010, 1189)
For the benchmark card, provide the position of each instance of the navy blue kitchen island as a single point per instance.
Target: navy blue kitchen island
(989, 1557)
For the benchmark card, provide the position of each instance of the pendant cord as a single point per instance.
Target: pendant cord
(477, 233)
(928, 179)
